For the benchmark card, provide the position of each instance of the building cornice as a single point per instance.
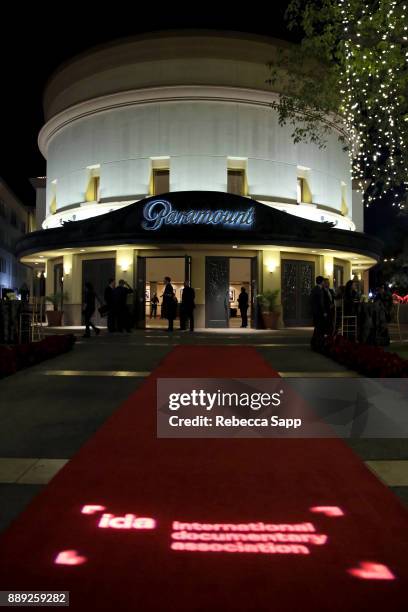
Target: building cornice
(152, 95)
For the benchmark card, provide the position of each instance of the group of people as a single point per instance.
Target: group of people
(170, 303)
(114, 307)
(116, 310)
(371, 320)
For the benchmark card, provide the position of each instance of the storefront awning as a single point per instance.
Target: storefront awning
(203, 217)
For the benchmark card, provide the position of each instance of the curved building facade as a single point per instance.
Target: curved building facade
(187, 112)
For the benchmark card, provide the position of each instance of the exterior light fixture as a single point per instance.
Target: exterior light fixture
(124, 265)
(234, 246)
(271, 267)
(328, 268)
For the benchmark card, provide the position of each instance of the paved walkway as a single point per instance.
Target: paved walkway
(48, 411)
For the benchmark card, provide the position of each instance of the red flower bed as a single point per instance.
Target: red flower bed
(19, 356)
(372, 361)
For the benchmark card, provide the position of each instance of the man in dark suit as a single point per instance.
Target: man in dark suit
(319, 312)
(329, 306)
(243, 306)
(187, 306)
(121, 309)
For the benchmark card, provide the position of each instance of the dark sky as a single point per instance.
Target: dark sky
(33, 46)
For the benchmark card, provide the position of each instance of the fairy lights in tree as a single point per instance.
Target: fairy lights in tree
(374, 35)
(361, 47)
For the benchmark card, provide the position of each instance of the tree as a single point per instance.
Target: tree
(350, 71)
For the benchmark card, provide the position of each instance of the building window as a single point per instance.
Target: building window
(53, 199)
(303, 193)
(344, 208)
(92, 192)
(3, 265)
(161, 181)
(299, 192)
(236, 182)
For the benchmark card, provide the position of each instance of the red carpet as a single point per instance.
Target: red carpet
(256, 545)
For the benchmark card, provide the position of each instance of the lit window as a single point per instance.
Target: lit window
(344, 207)
(299, 192)
(92, 192)
(303, 193)
(236, 181)
(161, 180)
(53, 205)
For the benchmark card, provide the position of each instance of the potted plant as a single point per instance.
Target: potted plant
(268, 301)
(54, 316)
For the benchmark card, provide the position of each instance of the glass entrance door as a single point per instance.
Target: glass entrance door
(140, 286)
(216, 292)
(297, 283)
(254, 292)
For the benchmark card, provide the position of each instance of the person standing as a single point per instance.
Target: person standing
(90, 298)
(110, 304)
(169, 305)
(121, 293)
(187, 306)
(153, 307)
(243, 300)
(319, 312)
(329, 306)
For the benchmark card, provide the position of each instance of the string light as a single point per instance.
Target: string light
(374, 120)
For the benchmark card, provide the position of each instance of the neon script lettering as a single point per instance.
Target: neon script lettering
(157, 213)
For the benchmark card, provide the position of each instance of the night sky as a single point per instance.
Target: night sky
(33, 45)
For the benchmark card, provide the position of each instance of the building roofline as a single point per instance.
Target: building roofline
(162, 34)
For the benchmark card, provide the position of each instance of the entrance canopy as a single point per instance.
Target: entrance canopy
(203, 217)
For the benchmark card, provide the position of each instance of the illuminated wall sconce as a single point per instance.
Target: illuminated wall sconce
(67, 270)
(328, 268)
(124, 265)
(271, 267)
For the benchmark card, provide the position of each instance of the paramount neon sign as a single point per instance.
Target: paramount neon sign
(157, 213)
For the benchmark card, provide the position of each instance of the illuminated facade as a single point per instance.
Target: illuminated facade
(15, 221)
(182, 113)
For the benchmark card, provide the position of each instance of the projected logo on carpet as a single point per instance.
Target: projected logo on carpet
(232, 538)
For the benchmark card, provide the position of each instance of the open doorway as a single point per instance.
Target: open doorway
(156, 269)
(225, 277)
(239, 278)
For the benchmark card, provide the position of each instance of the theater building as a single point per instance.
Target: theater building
(165, 157)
